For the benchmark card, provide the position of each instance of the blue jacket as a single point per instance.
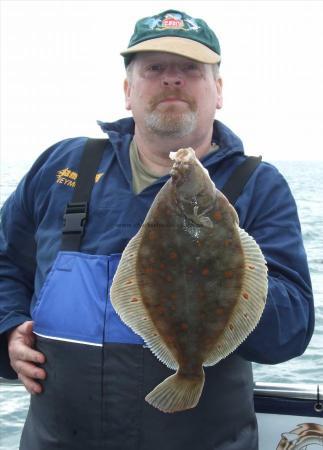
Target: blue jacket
(32, 220)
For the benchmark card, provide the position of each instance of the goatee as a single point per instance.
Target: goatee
(171, 122)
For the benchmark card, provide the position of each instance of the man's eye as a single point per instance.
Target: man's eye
(191, 67)
(155, 67)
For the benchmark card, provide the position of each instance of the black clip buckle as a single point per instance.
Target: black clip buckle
(75, 217)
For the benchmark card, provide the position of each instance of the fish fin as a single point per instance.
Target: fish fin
(177, 393)
(249, 308)
(126, 299)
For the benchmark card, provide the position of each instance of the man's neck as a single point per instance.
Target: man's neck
(154, 150)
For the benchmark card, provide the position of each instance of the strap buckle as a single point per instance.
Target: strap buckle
(75, 217)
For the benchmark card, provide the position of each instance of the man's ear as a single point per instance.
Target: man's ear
(219, 86)
(126, 90)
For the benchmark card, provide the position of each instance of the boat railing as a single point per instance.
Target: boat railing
(286, 390)
(289, 390)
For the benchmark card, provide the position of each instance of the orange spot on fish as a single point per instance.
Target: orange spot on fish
(217, 215)
(228, 274)
(231, 327)
(219, 311)
(251, 267)
(160, 309)
(134, 300)
(128, 282)
(205, 271)
(184, 326)
(152, 235)
(245, 295)
(173, 255)
(170, 339)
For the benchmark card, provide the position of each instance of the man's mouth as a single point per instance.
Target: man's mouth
(172, 99)
(169, 98)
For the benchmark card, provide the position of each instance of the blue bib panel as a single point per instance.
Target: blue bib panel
(74, 303)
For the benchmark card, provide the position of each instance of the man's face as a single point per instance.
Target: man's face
(171, 95)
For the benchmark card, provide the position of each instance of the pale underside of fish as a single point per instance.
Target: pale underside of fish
(191, 283)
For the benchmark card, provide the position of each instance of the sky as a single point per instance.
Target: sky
(61, 71)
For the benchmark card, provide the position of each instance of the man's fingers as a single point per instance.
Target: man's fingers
(26, 327)
(29, 370)
(23, 330)
(31, 385)
(20, 344)
(25, 353)
(23, 358)
(28, 373)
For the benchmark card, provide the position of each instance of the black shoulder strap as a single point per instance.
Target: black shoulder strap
(77, 210)
(241, 174)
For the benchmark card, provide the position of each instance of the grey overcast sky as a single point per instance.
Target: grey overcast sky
(61, 71)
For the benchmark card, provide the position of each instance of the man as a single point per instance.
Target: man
(89, 371)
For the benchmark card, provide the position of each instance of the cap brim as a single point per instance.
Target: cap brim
(178, 46)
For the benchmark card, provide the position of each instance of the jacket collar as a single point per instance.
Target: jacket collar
(121, 133)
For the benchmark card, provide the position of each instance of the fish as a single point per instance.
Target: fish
(191, 282)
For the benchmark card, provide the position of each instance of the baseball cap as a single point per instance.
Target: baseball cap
(174, 32)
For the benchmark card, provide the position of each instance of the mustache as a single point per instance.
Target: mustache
(177, 94)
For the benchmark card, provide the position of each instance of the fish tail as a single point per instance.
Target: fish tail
(177, 393)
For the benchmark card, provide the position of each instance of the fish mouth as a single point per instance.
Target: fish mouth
(182, 165)
(183, 155)
(178, 176)
(180, 173)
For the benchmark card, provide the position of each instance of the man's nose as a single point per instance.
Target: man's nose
(172, 76)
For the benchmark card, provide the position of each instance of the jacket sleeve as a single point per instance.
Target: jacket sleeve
(287, 323)
(17, 258)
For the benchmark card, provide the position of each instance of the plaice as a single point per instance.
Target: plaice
(190, 282)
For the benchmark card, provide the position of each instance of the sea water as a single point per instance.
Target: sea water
(305, 180)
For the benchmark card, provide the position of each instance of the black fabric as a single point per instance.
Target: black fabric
(97, 402)
(236, 182)
(76, 211)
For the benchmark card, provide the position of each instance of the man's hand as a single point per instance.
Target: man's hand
(23, 358)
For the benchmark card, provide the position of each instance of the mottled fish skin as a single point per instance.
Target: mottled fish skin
(191, 282)
(190, 277)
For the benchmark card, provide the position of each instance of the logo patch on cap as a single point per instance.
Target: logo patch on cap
(172, 21)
